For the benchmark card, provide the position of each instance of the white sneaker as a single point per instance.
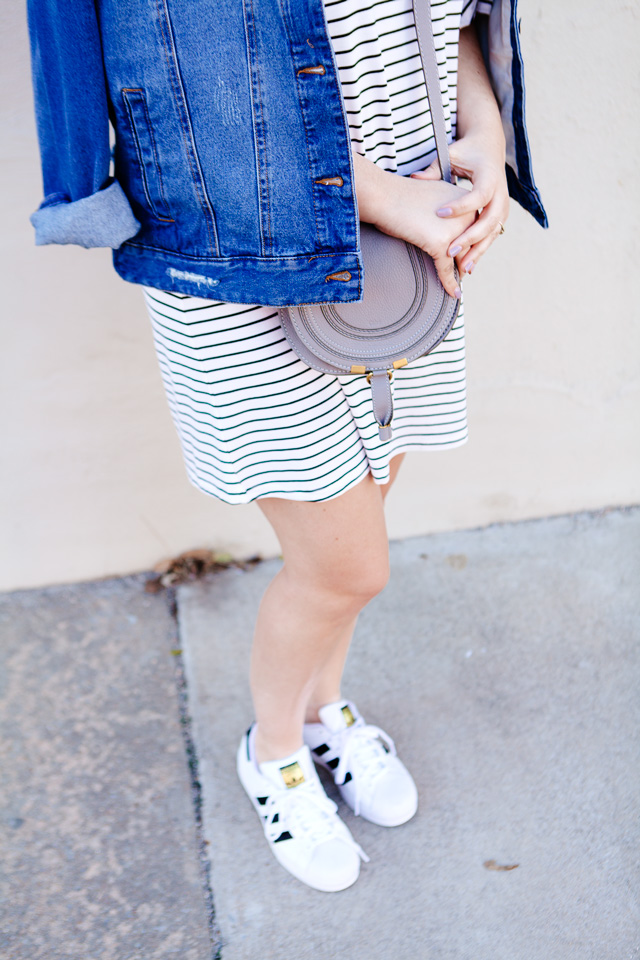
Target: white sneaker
(371, 778)
(301, 823)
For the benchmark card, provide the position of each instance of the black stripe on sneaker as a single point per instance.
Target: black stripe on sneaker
(284, 836)
(321, 749)
(347, 778)
(333, 763)
(262, 800)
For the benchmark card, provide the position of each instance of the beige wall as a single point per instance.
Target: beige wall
(92, 477)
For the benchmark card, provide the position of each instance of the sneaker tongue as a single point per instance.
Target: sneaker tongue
(291, 771)
(338, 716)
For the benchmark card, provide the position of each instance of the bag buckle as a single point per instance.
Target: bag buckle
(370, 374)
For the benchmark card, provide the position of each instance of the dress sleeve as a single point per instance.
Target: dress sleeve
(473, 7)
(82, 204)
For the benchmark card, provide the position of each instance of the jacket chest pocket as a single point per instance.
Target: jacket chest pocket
(135, 103)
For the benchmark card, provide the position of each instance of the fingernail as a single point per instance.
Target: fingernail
(470, 267)
(444, 212)
(455, 250)
(457, 293)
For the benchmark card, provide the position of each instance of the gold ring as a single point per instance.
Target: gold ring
(501, 228)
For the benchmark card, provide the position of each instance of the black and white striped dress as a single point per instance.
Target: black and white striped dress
(254, 420)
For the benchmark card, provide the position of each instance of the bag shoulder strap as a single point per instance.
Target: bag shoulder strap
(427, 49)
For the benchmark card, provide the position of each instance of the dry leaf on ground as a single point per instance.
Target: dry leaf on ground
(192, 565)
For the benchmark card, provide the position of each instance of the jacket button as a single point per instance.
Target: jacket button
(331, 181)
(342, 275)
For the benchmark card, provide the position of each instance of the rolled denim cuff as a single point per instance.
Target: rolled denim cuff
(103, 219)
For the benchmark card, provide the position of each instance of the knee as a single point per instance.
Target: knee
(357, 582)
(340, 586)
(373, 579)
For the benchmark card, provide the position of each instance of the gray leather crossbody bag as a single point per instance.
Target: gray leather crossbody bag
(405, 311)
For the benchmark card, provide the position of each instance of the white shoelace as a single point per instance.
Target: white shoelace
(362, 753)
(309, 815)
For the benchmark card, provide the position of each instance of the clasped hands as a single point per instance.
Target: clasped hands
(447, 221)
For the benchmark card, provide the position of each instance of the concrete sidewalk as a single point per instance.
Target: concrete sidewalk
(504, 662)
(98, 851)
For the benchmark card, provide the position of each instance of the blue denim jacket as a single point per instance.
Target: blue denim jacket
(233, 174)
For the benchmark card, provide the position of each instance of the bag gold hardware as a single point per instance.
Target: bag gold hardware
(389, 374)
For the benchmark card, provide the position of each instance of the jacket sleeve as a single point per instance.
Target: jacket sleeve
(82, 203)
(499, 36)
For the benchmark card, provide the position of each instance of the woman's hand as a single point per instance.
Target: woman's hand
(406, 208)
(444, 220)
(478, 157)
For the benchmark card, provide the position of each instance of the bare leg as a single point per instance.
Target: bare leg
(394, 467)
(327, 688)
(336, 560)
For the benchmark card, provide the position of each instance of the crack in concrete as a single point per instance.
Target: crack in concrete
(196, 787)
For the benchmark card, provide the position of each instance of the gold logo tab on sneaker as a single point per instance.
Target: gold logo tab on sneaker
(292, 774)
(349, 718)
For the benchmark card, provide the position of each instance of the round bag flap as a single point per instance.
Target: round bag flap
(404, 313)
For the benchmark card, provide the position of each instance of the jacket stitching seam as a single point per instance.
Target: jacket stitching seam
(253, 130)
(254, 122)
(204, 202)
(306, 135)
(263, 138)
(347, 134)
(275, 259)
(156, 159)
(134, 132)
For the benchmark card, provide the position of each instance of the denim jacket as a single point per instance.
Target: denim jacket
(232, 167)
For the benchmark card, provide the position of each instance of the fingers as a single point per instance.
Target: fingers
(432, 172)
(469, 260)
(484, 230)
(444, 266)
(472, 201)
(468, 257)
(457, 252)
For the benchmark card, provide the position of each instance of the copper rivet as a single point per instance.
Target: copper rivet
(331, 181)
(319, 70)
(342, 275)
